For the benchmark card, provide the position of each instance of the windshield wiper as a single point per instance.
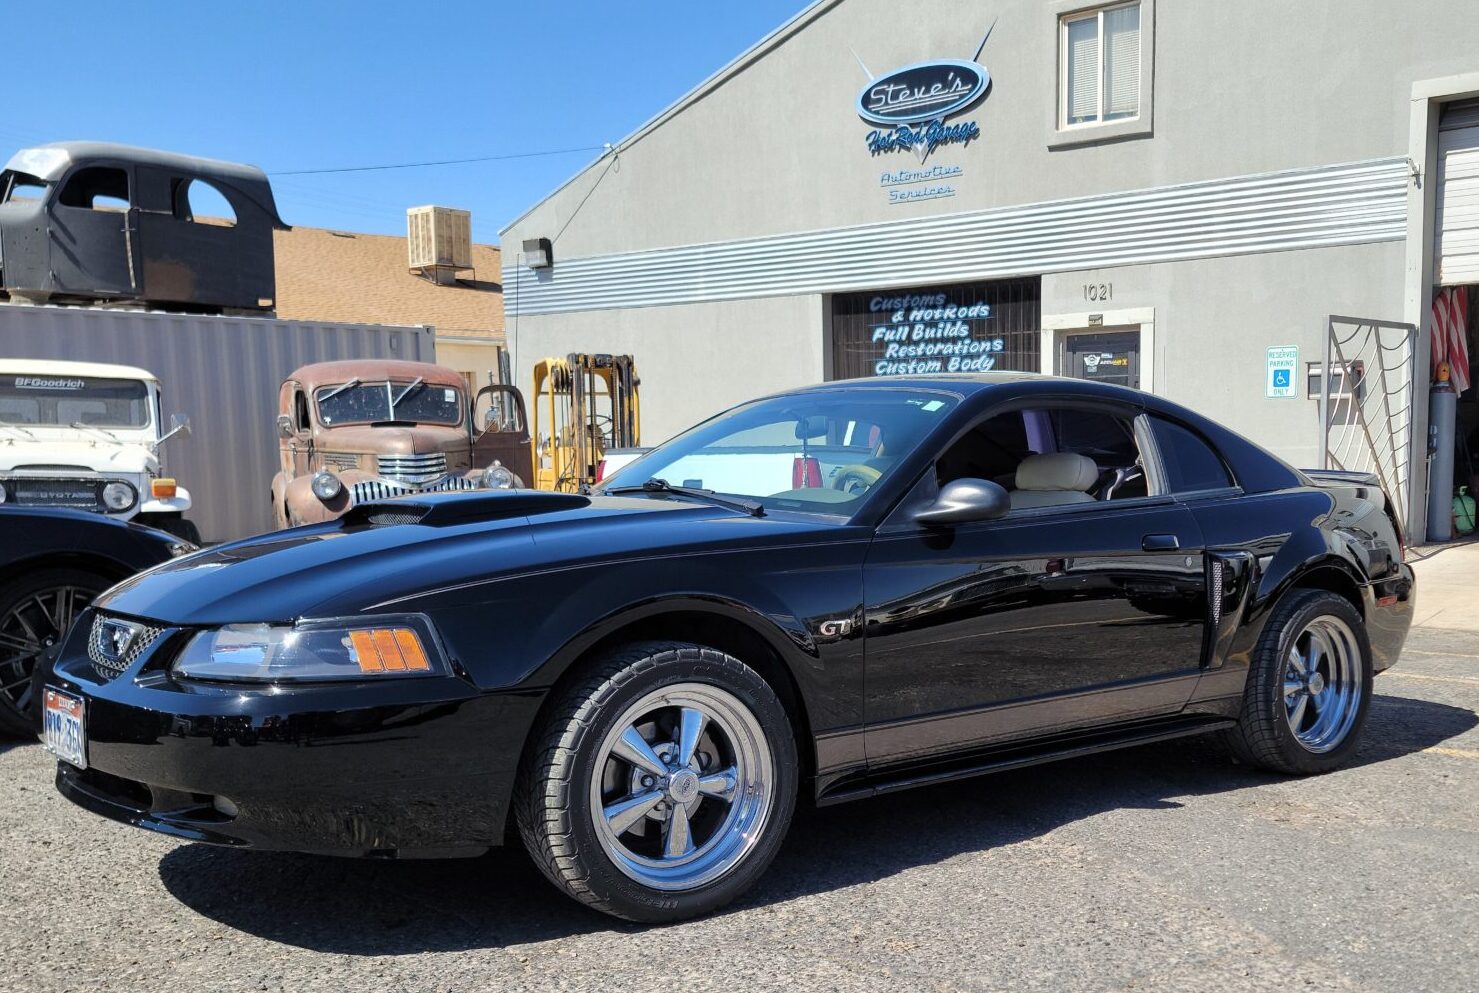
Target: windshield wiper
(405, 392)
(657, 485)
(79, 426)
(18, 430)
(339, 389)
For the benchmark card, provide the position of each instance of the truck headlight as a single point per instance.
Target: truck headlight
(326, 485)
(119, 496)
(496, 477)
(312, 651)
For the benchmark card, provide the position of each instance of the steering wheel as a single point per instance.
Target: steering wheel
(856, 478)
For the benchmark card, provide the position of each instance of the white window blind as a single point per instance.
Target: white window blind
(1100, 75)
(1083, 69)
(1121, 62)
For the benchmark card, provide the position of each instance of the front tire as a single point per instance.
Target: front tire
(35, 613)
(1309, 687)
(661, 786)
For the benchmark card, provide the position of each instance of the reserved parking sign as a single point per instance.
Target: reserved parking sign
(1279, 378)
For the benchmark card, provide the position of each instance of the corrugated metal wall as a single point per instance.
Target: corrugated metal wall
(1346, 204)
(223, 372)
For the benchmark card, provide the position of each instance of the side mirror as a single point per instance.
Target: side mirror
(284, 425)
(179, 424)
(963, 501)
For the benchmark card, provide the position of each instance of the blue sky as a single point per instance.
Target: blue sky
(311, 85)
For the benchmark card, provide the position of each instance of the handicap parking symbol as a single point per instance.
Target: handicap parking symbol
(1281, 379)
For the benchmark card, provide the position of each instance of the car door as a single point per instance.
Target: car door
(500, 431)
(92, 218)
(1053, 617)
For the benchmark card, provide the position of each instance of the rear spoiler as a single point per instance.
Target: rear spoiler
(1345, 477)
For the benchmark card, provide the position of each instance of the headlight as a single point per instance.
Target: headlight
(3, 495)
(119, 496)
(326, 485)
(312, 651)
(496, 477)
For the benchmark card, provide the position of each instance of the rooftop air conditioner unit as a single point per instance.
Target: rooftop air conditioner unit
(439, 240)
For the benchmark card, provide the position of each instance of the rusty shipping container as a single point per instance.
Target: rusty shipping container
(223, 372)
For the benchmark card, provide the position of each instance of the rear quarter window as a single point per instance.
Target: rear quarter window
(1191, 464)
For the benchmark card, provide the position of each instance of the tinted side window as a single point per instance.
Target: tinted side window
(1190, 462)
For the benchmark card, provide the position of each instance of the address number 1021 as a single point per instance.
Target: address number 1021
(1098, 292)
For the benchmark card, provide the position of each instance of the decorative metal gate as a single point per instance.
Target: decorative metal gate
(1365, 389)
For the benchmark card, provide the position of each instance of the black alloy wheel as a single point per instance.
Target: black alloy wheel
(35, 613)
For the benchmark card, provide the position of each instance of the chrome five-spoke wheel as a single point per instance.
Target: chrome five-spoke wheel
(684, 783)
(1322, 684)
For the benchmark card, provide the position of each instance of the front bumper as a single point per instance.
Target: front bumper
(405, 768)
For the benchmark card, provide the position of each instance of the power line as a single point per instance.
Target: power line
(422, 165)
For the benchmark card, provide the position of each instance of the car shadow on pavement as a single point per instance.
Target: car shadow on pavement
(356, 907)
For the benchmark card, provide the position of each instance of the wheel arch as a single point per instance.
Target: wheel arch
(108, 568)
(1331, 574)
(723, 625)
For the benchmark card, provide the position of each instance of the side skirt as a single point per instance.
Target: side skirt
(1019, 755)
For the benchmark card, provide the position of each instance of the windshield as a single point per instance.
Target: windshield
(65, 401)
(369, 403)
(17, 187)
(812, 452)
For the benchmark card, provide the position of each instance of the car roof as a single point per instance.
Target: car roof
(374, 370)
(58, 367)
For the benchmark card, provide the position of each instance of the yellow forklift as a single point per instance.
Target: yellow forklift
(583, 405)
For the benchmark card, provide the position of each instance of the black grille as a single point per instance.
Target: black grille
(105, 662)
(387, 517)
(31, 491)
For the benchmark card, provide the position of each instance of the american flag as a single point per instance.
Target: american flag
(1451, 334)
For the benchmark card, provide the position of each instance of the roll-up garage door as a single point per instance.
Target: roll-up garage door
(1458, 194)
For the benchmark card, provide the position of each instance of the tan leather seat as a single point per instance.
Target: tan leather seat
(1054, 480)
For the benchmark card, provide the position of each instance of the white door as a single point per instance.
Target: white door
(1457, 222)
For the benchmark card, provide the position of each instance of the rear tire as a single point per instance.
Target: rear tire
(661, 786)
(35, 612)
(1308, 690)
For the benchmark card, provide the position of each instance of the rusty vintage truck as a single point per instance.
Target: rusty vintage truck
(361, 430)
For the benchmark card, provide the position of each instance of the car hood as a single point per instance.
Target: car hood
(101, 456)
(352, 565)
(421, 439)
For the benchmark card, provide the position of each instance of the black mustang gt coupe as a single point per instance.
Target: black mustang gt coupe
(833, 592)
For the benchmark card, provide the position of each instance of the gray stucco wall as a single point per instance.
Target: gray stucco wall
(693, 360)
(1246, 87)
(1214, 318)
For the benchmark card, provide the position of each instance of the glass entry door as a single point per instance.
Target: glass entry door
(1103, 357)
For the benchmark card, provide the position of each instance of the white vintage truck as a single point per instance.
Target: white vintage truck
(87, 436)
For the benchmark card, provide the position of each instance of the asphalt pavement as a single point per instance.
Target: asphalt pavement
(1158, 868)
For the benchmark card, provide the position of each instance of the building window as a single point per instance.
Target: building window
(964, 327)
(1099, 66)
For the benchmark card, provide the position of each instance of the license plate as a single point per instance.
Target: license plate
(62, 727)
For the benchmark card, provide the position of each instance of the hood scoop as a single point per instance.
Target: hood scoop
(446, 509)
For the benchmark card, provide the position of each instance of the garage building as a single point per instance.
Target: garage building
(1202, 200)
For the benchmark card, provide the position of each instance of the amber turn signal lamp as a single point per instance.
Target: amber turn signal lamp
(162, 488)
(388, 650)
